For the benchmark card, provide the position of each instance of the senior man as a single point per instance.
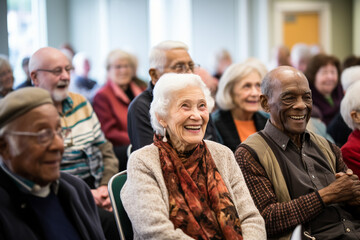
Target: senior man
(37, 201)
(294, 176)
(88, 154)
(167, 56)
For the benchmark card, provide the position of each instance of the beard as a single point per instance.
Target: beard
(59, 95)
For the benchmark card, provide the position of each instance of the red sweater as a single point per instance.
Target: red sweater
(111, 106)
(351, 152)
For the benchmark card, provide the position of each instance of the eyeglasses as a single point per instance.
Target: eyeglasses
(183, 68)
(44, 136)
(57, 71)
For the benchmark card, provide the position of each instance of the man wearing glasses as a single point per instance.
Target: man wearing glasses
(167, 56)
(87, 154)
(37, 201)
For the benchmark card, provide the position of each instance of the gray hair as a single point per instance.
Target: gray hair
(233, 74)
(164, 90)
(117, 54)
(349, 76)
(4, 62)
(350, 102)
(298, 52)
(157, 57)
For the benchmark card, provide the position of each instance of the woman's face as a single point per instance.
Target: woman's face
(120, 72)
(187, 118)
(326, 79)
(246, 93)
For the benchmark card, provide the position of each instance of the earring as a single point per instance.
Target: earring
(164, 138)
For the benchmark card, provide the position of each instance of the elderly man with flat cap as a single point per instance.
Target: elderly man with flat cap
(87, 154)
(295, 176)
(36, 200)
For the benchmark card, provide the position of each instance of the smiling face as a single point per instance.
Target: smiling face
(56, 82)
(120, 72)
(187, 118)
(291, 102)
(326, 79)
(33, 161)
(246, 94)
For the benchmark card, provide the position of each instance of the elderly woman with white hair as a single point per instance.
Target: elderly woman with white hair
(181, 186)
(238, 99)
(350, 111)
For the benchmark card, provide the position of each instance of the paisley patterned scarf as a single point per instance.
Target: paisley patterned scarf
(200, 202)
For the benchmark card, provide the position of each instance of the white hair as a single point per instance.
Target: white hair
(349, 76)
(350, 102)
(164, 90)
(157, 57)
(299, 51)
(233, 74)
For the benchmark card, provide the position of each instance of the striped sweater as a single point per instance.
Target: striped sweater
(84, 150)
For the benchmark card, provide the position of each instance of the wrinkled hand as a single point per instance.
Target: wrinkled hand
(101, 196)
(346, 188)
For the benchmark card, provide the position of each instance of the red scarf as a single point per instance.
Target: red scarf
(200, 202)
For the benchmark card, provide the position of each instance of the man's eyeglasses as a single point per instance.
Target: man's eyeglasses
(44, 136)
(183, 68)
(57, 71)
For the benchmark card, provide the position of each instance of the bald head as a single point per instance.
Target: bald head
(276, 76)
(50, 69)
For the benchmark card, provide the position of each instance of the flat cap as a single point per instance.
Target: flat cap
(19, 102)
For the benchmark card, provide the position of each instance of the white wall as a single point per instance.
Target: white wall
(356, 27)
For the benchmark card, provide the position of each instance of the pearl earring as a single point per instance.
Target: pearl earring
(164, 138)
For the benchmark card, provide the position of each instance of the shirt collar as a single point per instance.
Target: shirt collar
(28, 186)
(67, 105)
(279, 137)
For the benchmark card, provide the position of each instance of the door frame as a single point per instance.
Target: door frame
(322, 8)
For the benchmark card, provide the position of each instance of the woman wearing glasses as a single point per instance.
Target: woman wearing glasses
(111, 102)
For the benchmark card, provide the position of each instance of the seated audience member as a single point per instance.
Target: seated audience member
(300, 56)
(6, 76)
(350, 61)
(88, 154)
(323, 72)
(294, 176)
(111, 102)
(350, 111)
(280, 56)
(337, 128)
(238, 99)
(165, 57)
(223, 60)
(190, 188)
(37, 201)
(25, 67)
(82, 84)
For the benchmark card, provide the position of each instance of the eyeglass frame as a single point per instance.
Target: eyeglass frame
(56, 72)
(184, 67)
(61, 132)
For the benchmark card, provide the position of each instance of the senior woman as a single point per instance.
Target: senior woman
(350, 111)
(111, 102)
(323, 73)
(181, 186)
(238, 99)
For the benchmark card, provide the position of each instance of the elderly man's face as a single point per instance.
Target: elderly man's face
(177, 61)
(291, 102)
(187, 118)
(25, 155)
(6, 80)
(53, 74)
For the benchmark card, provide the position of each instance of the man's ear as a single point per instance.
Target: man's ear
(4, 149)
(154, 74)
(264, 103)
(355, 116)
(34, 78)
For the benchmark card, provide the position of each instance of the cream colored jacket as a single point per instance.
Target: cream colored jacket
(145, 196)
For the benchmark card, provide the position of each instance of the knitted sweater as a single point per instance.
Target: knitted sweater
(146, 199)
